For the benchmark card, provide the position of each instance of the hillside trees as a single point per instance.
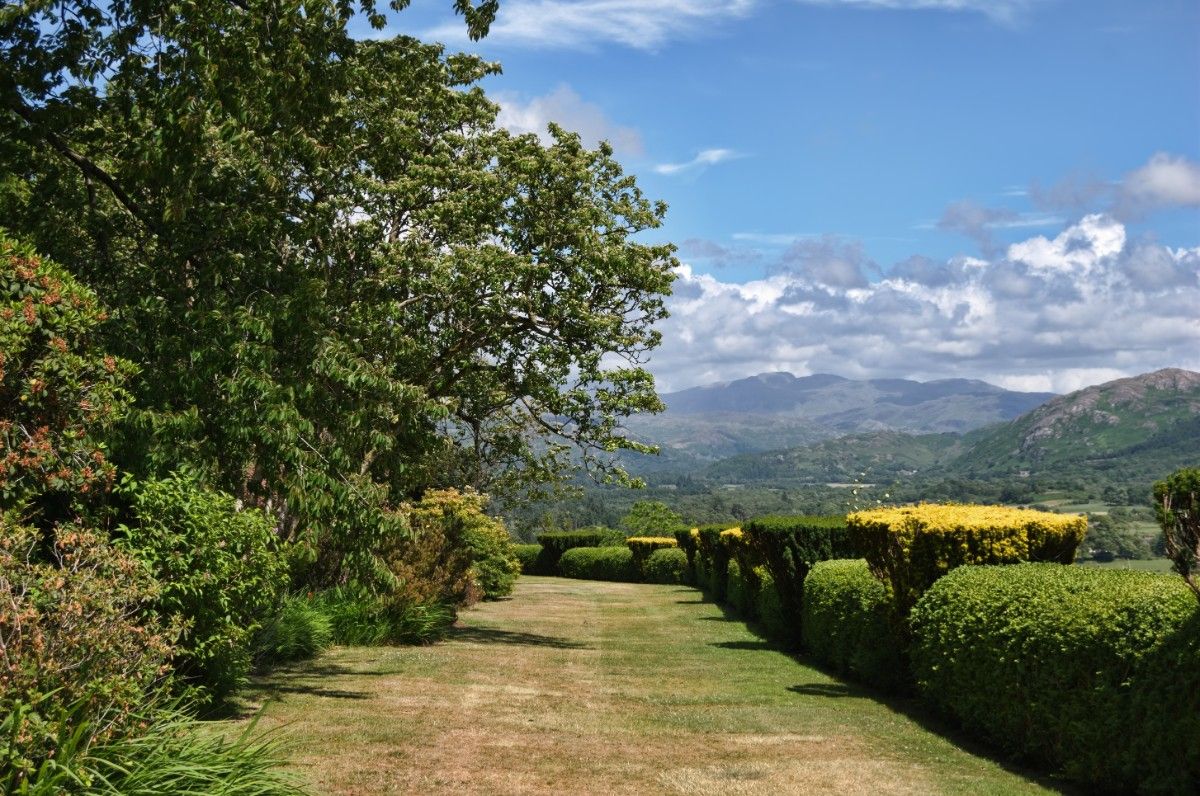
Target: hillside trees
(341, 282)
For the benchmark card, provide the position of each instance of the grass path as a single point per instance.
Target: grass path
(580, 687)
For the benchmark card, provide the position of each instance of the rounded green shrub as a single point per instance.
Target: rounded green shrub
(555, 543)
(780, 625)
(599, 563)
(850, 623)
(666, 565)
(789, 546)
(219, 570)
(741, 590)
(529, 556)
(1093, 672)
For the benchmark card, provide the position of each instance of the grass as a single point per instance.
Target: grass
(614, 688)
(1147, 565)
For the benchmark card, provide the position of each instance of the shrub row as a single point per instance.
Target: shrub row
(555, 543)
(599, 563)
(789, 546)
(1095, 673)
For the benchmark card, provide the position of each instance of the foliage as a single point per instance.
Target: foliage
(741, 590)
(789, 546)
(1177, 505)
(688, 540)
(643, 546)
(220, 571)
(912, 546)
(493, 563)
(599, 563)
(665, 565)
(79, 650)
(358, 617)
(850, 623)
(298, 630)
(1095, 672)
(1107, 539)
(58, 391)
(712, 557)
(779, 625)
(651, 518)
(529, 556)
(343, 282)
(555, 543)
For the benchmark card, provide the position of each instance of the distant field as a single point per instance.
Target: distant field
(1151, 565)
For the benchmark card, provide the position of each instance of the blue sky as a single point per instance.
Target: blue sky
(830, 140)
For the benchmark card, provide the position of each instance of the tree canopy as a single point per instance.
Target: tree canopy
(341, 282)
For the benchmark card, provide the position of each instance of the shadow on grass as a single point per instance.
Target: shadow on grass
(744, 645)
(835, 690)
(314, 690)
(689, 602)
(487, 635)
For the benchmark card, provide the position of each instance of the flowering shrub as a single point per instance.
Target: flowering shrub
(56, 391)
(911, 547)
(79, 649)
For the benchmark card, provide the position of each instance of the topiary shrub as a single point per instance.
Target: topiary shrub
(912, 546)
(599, 563)
(779, 625)
(789, 546)
(1093, 672)
(297, 630)
(79, 648)
(851, 624)
(530, 558)
(1177, 504)
(712, 561)
(688, 541)
(220, 573)
(643, 546)
(741, 590)
(555, 543)
(665, 565)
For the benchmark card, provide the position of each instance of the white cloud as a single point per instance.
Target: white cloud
(703, 159)
(1165, 181)
(1084, 306)
(569, 110)
(642, 24)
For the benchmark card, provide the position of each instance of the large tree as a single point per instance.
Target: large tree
(341, 282)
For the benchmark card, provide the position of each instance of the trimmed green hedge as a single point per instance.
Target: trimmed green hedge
(780, 626)
(1093, 672)
(530, 556)
(851, 625)
(712, 560)
(666, 565)
(689, 543)
(789, 546)
(555, 543)
(599, 563)
(741, 590)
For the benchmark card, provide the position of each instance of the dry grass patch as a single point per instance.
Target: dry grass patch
(583, 687)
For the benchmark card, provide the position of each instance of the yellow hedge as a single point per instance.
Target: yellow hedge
(912, 546)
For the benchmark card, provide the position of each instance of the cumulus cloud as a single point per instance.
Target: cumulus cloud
(717, 255)
(1048, 313)
(979, 223)
(704, 158)
(641, 24)
(1164, 181)
(566, 108)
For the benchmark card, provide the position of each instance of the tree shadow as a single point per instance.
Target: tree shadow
(488, 635)
(836, 690)
(689, 602)
(743, 645)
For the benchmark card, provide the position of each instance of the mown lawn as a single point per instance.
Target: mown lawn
(607, 688)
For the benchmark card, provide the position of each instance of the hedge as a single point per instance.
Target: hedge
(643, 546)
(1093, 672)
(688, 540)
(913, 546)
(555, 543)
(530, 556)
(789, 546)
(666, 565)
(599, 563)
(778, 624)
(712, 560)
(851, 625)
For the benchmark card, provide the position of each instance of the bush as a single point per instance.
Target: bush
(789, 546)
(599, 563)
(359, 618)
(1177, 505)
(1094, 672)
(913, 546)
(741, 590)
(79, 647)
(665, 565)
(57, 391)
(850, 624)
(457, 554)
(712, 560)
(779, 625)
(643, 546)
(220, 574)
(688, 541)
(530, 558)
(299, 630)
(555, 543)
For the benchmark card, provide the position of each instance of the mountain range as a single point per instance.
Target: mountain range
(1128, 429)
